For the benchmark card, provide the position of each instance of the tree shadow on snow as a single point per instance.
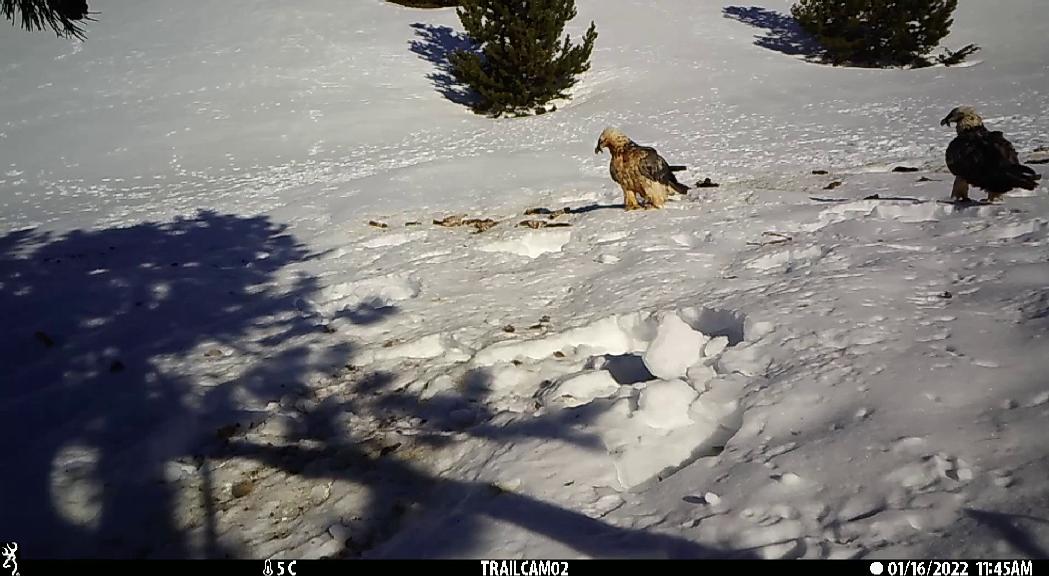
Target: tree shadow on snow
(109, 388)
(461, 504)
(782, 33)
(435, 44)
(465, 411)
(97, 323)
(443, 516)
(1008, 527)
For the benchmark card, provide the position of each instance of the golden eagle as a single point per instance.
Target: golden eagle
(639, 170)
(984, 159)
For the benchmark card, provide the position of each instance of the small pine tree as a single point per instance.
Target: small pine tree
(523, 63)
(59, 15)
(876, 32)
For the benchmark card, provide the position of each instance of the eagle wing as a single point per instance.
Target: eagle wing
(653, 166)
(1008, 153)
(613, 170)
(989, 161)
(1003, 148)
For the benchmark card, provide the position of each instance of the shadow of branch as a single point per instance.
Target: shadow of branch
(782, 33)
(104, 329)
(1007, 526)
(435, 44)
(589, 536)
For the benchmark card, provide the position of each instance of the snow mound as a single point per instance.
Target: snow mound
(651, 377)
(426, 347)
(77, 493)
(583, 388)
(1027, 230)
(664, 405)
(375, 293)
(660, 437)
(715, 346)
(531, 244)
(675, 349)
(904, 211)
(787, 260)
(612, 335)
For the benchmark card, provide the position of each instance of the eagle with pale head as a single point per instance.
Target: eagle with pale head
(984, 159)
(639, 170)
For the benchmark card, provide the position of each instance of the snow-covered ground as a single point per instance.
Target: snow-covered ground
(233, 327)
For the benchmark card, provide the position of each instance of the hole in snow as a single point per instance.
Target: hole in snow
(626, 369)
(716, 322)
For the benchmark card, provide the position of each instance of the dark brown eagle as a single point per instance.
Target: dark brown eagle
(639, 170)
(984, 159)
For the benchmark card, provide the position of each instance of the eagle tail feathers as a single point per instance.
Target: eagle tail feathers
(1024, 177)
(1030, 172)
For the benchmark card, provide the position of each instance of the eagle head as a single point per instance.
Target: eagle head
(964, 117)
(611, 138)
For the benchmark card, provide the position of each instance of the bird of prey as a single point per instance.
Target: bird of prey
(984, 159)
(639, 170)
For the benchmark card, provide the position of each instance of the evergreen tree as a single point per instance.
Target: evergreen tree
(59, 15)
(876, 32)
(522, 62)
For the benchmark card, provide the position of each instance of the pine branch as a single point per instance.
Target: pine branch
(62, 16)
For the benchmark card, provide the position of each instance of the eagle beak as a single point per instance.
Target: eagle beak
(597, 150)
(946, 121)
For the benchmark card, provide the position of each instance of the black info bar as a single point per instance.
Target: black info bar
(531, 567)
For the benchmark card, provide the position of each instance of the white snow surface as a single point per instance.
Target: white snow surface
(209, 350)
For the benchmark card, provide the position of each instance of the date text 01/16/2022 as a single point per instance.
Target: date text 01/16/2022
(523, 568)
(954, 568)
